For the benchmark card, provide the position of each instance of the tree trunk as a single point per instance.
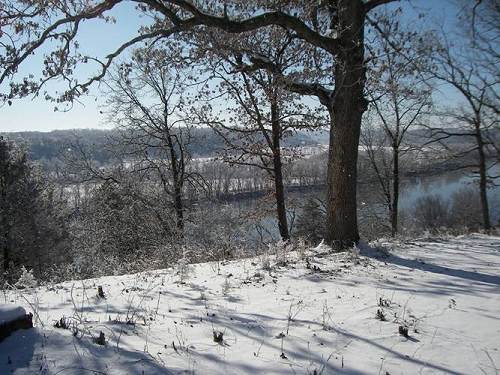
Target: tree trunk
(5, 241)
(279, 190)
(176, 166)
(395, 191)
(6, 252)
(179, 209)
(280, 199)
(483, 181)
(346, 112)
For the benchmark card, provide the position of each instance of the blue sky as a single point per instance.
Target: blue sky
(99, 38)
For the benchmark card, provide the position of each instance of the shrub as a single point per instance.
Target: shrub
(311, 222)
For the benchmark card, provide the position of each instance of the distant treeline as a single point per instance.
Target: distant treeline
(46, 147)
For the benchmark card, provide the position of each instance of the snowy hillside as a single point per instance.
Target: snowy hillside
(320, 314)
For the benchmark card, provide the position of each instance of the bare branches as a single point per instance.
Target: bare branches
(178, 16)
(146, 102)
(83, 168)
(266, 19)
(332, 69)
(11, 64)
(472, 70)
(308, 89)
(399, 101)
(372, 4)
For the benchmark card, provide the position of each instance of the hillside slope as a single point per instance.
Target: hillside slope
(320, 314)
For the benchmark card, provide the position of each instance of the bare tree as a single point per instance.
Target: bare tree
(400, 98)
(262, 113)
(470, 67)
(146, 103)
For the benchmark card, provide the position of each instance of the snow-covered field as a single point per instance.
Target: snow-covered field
(330, 314)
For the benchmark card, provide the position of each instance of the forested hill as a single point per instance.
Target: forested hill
(47, 146)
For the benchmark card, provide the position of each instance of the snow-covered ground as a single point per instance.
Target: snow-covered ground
(331, 314)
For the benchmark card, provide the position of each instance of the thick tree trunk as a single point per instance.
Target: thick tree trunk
(395, 191)
(348, 107)
(483, 181)
(279, 190)
(342, 171)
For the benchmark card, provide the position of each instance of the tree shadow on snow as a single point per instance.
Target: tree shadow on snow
(17, 350)
(37, 351)
(434, 268)
(261, 329)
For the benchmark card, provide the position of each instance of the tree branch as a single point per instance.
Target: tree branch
(375, 3)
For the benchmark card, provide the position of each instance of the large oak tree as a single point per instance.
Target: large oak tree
(331, 28)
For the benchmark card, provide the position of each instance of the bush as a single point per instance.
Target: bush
(460, 213)
(432, 212)
(26, 280)
(311, 222)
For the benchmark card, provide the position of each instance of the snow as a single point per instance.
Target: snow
(312, 315)
(8, 313)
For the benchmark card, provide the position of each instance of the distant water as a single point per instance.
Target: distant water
(445, 185)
